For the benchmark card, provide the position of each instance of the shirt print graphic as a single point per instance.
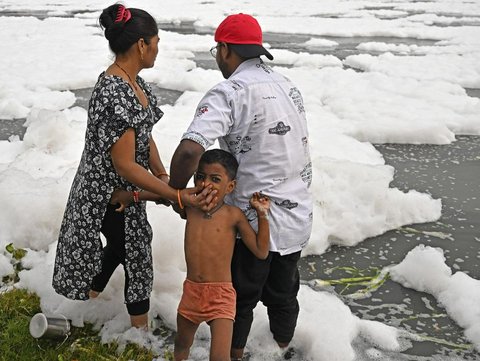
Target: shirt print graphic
(201, 110)
(306, 174)
(235, 86)
(197, 138)
(296, 96)
(240, 145)
(250, 213)
(264, 67)
(286, 203)
(280, 129)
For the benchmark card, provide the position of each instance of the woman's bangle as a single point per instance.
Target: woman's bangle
(158, 175)
(179, 199)
(136, 196)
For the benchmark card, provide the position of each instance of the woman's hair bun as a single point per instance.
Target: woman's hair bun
(124, 27)
(107, 21)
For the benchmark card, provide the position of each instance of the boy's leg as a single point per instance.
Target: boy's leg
(184, 338)
(221, 330)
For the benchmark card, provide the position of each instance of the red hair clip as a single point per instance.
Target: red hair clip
(123, 14)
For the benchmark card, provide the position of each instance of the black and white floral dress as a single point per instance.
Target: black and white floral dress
(113, 108)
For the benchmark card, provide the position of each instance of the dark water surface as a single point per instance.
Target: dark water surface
(449, 172)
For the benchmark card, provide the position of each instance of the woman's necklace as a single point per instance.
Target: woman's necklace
(208, 215)
(131, 82)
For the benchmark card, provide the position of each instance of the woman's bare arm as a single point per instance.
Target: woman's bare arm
(123, 158)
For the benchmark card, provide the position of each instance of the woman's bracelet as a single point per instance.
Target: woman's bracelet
(136, 196)
(158, 175)
(179, 199)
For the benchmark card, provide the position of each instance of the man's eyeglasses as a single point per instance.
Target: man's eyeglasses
(213, 50)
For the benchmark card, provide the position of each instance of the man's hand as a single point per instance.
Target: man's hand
(180, 211)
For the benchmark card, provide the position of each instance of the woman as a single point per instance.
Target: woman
(119, 152)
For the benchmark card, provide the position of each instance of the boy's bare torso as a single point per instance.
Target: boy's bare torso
(209, 244)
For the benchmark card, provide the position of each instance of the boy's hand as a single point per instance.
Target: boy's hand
(261, 203)
(122, 197)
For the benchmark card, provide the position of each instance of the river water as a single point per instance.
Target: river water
(450, 172)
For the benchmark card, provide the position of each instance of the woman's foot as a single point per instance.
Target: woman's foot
(140, 321)
(93, 294)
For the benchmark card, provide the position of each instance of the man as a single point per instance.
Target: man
(257, 115)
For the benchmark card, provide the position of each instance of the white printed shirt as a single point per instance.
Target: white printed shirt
(258, 116)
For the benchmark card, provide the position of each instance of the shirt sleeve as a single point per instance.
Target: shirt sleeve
(212, 118)
(113, 116)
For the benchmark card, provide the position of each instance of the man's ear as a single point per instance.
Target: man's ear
(227, 52)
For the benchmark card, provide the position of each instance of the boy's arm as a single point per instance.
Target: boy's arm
(258, 243)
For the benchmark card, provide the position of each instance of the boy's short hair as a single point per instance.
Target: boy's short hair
(224, 158)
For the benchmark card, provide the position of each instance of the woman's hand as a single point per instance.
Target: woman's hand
(200, 197)
(122, 197)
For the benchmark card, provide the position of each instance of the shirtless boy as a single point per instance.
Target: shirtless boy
(208, 294)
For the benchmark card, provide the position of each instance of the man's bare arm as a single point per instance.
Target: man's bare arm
(184, 163)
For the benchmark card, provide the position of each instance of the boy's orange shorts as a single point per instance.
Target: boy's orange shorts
(207, 301)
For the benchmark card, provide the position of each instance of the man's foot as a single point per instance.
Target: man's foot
(289, 353)
(160, 329)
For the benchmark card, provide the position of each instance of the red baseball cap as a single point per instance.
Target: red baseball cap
(244, 34)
